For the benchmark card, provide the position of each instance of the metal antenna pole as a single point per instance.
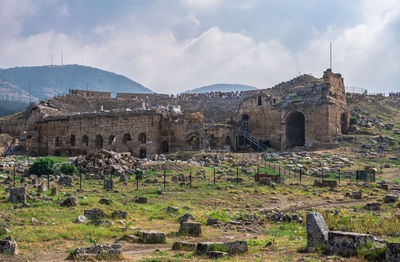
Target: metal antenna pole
(330, 55)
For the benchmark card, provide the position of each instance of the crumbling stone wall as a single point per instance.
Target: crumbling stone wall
(317, 109)
(304, 111)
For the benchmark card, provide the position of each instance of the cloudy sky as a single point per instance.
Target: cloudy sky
(174, 45)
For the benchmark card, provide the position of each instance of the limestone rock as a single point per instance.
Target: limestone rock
(391, 198)
(18, 195)
(119, 214)
(347, 243)
(237, 247)
(190, 228)
(317, 230)
(81, 219)
(184, 245)
(186, 217)
(152, 237)
(172, 209)
(70, 202)
(94, 213)
(9, 246)
(105, 201)
(103, 252)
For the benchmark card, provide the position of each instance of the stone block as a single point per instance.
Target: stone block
(186, 217)
(9, 246)
(190, 228)
(347, 243)
(108, 184)
(18, 195)
(237, 247)
(101, 252)
(317, 230)
(119, 214)
(391, 198)
(357, 195)
(393, 252)
(70, 202)
(142, 200)
(184, 245)
(151, 237)
(94, 213)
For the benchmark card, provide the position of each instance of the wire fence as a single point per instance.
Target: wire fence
(236, 175)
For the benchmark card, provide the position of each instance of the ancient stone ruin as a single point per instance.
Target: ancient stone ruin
(305, 111)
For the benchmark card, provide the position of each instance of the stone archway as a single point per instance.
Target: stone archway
(99, 142)
(164, 147)
(194, 142)
(295, 129)
(142, 153)
(85, 140)
(344, 123)
(228, 141)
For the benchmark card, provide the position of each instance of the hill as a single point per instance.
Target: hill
(48, 81)
(8, 107)
(221, 88)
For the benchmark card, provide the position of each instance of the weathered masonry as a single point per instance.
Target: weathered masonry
(305, 111)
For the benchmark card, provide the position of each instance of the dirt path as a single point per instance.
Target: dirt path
(331, 205)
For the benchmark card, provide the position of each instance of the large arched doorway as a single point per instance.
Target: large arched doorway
(164, 147)
(245, 122)
(343, 123)
(85, 140)
(99, 142)
(194, 142)
(295, 129)
(142, 153)
(126, 138)
(228, 141)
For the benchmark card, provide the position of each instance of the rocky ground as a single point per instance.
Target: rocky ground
(164, 209)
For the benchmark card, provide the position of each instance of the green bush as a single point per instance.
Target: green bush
(353, 120)
(42, 166)
(68, 169)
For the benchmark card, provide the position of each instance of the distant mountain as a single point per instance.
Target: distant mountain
(221, 88)
(48, 81)
(8, 107)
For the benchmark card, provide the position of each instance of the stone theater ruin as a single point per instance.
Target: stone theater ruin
(305, 111)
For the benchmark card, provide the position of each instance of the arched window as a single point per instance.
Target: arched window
(99, 142)
(85, 140)
(228, 140)
(111, 140)
(142, 138)
(72, 140)
(259, 100)
(245, 122)
(164, 147)
(57, 142)
(126, 138)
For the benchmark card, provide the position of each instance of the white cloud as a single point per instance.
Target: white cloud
(202, 3)
(63, 10)
(12, 14)
(366, 54)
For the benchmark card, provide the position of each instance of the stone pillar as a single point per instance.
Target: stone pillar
(317, 230)
(18, 195)
(108, 184)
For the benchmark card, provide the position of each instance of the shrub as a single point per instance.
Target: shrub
(68, 169)
(353, 120)
(42, 166)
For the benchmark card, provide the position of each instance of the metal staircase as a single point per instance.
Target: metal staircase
(253, 140)
(11, 149)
